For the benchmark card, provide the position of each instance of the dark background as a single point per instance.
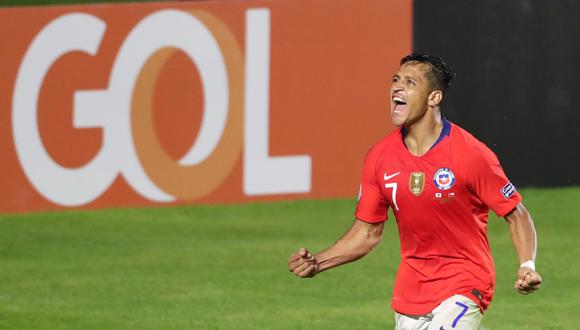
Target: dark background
(517, 87)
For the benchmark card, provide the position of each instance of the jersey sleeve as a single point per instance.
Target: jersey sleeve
(491, 184)
(372, 206)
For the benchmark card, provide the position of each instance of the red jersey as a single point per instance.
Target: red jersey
(441, 202)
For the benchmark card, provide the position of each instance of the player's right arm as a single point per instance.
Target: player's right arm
(357, 242)
(360, 238)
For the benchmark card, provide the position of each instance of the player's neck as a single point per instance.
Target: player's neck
(422, 134)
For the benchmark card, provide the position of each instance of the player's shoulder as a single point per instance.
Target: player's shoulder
(470, 148)
(387, 143)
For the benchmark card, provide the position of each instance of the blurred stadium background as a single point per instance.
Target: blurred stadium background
(216, 259)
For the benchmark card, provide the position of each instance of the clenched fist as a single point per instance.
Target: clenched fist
(303, 264)
(528, 281)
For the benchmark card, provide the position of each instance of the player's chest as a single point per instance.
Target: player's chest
(410, 185)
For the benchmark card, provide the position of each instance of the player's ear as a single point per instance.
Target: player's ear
(435, 98)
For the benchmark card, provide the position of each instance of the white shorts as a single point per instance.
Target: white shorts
(457, 312)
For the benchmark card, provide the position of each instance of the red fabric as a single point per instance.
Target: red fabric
(443, 230)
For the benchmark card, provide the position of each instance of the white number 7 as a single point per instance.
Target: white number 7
(392, 186)
(393, 193)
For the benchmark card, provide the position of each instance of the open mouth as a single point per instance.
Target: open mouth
(399, 104)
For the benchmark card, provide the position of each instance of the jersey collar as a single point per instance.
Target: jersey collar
(444, 132)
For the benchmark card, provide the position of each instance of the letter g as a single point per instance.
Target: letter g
(64, 186)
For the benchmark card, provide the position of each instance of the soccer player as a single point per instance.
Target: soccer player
(440, 182)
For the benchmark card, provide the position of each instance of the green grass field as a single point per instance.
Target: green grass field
(224, 267)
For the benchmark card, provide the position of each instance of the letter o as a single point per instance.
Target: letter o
(219, 143)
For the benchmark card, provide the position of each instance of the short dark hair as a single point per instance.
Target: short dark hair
(440, 74)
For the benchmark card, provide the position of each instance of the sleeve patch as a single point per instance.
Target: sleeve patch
(508, 190)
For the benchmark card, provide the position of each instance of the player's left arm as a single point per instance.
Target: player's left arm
(523, 234)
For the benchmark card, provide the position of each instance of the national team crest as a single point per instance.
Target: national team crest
(444, 178)
(417, 182)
